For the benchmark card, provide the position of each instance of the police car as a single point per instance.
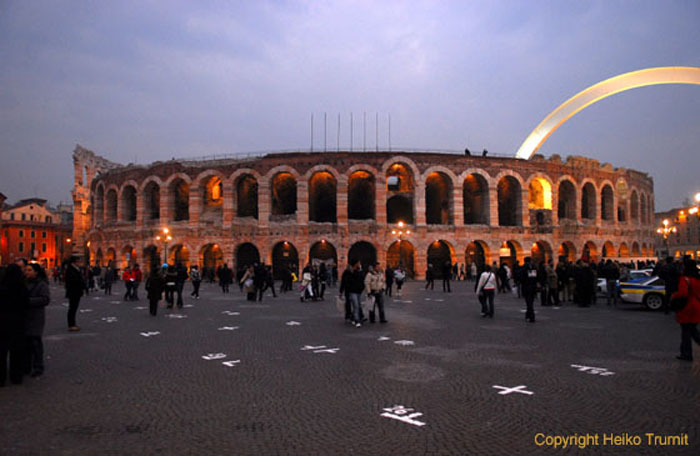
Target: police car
(646, 290)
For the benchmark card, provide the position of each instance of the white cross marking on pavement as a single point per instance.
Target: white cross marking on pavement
(428, 299)
(602, 371)
(518, 389)
(383, 338)
(404, 342)
(211, 356)
(150, 333)
(400, 413)
(109, 319)
(293, 323)
(229, 328)
(328, 350)
(176, 316)
(85, 310)
(231, 363)
(311, 347)
(229, 312)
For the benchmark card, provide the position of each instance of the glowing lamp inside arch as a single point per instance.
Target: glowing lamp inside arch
(603, 89)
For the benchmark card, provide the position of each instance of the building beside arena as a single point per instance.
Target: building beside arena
(291, 208)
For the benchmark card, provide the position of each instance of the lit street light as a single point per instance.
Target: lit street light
(165, 238)
(665, 231)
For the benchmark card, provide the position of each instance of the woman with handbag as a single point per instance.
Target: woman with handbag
(688, 315)
(248, 282)
(485, 290)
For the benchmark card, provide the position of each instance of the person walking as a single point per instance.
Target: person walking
(389, 278)
(355, 285)
(528, 288)
(429, 277)
(374, 287)
(486, 291)
(552, 285)
(670, 274)
(196, 279)
(611, 274)
(75, 286)
(400, 277)
(14, 301)
(344, 292)
(689, 316)
(446, 276)
(170, 285)
(225, 277)
(128, 280)
(248, 283)
(109, 278)
(180, 279)
(39, 298)
(137, 275)
(155, 284)
(270, 281)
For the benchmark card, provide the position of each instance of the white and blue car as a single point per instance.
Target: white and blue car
(645, 290)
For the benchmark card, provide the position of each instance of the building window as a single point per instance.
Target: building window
(12, 215)
(43, 247)
(32, 234)
(33, 248)
(21, 233)
(31, 217)
(20, 247)
(43, 234)
(24, 216)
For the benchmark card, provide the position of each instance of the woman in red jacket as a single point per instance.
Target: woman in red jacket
(689, 316)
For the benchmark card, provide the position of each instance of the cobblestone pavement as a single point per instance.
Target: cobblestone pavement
(296, 380)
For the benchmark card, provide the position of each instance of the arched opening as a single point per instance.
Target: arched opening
(246, 255)
(323, 252)
(509, 202)
(151, 258)
(588, 202)
(98, 212)
(111, 203)
(129, 204)
(112, 257)
(567, 252)
(635, 249)
(361, 198)
(567, 201)
(212, 257)
(475, 196)
(540, 194)
(509, 252)
(475, 253)
(439, 253)
(590, 252)
(400, 187)
(541, 252)
(247, 196)
(624, 251)
(151, 196)
(363, 251)
(608, 250)
(438, 199)
(180, 194)
(284, 195)
(402, 253)
(621, 213)
(606, 204)
(212, 194)
(645, 250)
(99, 257)
(322, 197)
(284, 257)
(643, 204)
(634, 206)
(179, 254)
(128, 256)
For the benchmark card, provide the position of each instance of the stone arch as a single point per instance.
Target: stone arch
(179, 196)
(510, 252)
(128, 256)
(364, 251)
(624, 251)
(634, 206)
(151, 258)
(111, 256)
(400, 178)
(323, 251)
(567, 251)
(439, 196)
(401, 160)
(608, 250)
(209, 186)
(323, 189)
(361, 195)
(510, 203)
(402, 254)
(99, 205)
(607, 203)
(540, 251)
(588, 200)
(566, 199)
(111, 204)
(635, 249)
(283, 191)
(211, 257)
(151, 199)
(246, 255)
(128, 201)
(589, 251)
(477, 252)
(179, 253)
(540, 192)
(284, 256)
(246, 187)
(475, 198)
(439, 252)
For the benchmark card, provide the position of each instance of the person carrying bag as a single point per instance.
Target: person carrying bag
(486, 290)
(688, 315)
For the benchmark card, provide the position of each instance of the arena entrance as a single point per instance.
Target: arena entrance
(284, 256)
(439, 253)
(246, 255)
(402, 253)
(363, 251)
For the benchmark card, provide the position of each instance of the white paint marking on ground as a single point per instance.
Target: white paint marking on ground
(407, 302)
(293, 323)
(228, 328)
(85, 310)
(231, 363)
(439, 300)
(115, 302)
(602, 371)
(428, 299)
(328, 350)
(517, 389)
(176, 316)
(140, 308)
(213, 356)
(383, 338)
(150, 333)
(404, 342)
(401, 413)
(230, 312)
(311, 347)
(109, 319)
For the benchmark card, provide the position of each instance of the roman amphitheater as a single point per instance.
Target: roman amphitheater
(292, 208)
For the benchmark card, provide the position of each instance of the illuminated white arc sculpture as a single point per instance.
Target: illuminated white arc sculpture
(640, 78)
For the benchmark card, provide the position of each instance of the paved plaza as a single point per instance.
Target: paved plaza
(227, 376)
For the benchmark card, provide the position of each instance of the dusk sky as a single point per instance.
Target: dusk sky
(151, 80)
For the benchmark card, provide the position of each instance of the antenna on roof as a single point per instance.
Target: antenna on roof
(312, 132)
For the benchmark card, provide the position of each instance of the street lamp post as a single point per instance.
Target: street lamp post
(165, 238)
(665, 231)
(399, 232)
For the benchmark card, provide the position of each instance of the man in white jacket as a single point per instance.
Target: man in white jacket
(374, 287)
(486, 289)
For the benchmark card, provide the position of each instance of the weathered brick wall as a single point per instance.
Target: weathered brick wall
(228, 231)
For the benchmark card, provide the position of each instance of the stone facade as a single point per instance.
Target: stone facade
(293, 207)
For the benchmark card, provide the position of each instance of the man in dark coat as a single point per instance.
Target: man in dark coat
(14, 300)
(155, 284)
(181, 278)
(446, 276)
(75, 285)
(39, 298)
(528, 288)
(669, 273)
